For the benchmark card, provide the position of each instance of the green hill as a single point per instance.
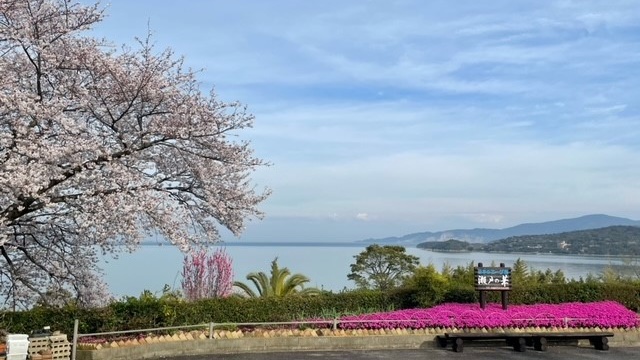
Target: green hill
(612, 240)
(450, 245)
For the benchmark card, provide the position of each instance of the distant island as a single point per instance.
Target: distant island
(612, 240)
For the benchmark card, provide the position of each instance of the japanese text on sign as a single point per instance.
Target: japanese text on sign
(492, 278)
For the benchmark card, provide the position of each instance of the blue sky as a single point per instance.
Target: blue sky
(383, 118)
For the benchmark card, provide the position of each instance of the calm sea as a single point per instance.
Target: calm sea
(327, 265)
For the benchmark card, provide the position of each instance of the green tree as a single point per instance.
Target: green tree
(610, 275)
(464, 275)
(558, 277)
(447, 270)
(382, 267)
(428, 285)
(519, 273)
(280, 283)
(540, 277)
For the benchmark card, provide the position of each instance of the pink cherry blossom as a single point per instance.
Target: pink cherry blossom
(207, 275)
(100, 148)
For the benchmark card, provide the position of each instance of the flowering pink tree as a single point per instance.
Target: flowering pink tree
(100, 148)
(207, 275)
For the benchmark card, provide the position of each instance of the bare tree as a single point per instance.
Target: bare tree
(100, 148)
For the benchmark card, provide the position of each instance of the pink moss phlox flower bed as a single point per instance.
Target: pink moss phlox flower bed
(605, 314)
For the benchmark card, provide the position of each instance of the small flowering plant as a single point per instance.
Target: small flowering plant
(605, 314)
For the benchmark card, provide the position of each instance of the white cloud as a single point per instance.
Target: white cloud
(502, 180)
(482, 113)
(491, 220)
(362, 216)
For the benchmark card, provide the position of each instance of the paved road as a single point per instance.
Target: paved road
(476, 353)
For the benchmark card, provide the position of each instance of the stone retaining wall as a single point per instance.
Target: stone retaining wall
(198, 342)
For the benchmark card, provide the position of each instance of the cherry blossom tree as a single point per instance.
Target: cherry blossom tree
(207, 275)
(101, 147)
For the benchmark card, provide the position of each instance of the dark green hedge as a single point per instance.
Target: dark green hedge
(134, 313)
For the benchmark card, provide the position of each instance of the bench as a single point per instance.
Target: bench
(519, 341)
(599, 339)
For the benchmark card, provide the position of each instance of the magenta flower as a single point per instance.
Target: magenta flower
(605, 314)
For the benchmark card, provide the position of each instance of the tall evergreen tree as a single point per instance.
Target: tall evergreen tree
(519, 273)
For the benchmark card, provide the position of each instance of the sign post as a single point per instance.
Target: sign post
(493, 279)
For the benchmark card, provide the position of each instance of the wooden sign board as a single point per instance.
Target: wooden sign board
(492, 278)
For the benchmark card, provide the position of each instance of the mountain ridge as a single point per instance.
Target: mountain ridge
(617, 240)
(485, 235)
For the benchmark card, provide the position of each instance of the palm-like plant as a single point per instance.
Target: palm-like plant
(280, 283)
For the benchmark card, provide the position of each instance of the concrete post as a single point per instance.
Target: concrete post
(74, 344)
